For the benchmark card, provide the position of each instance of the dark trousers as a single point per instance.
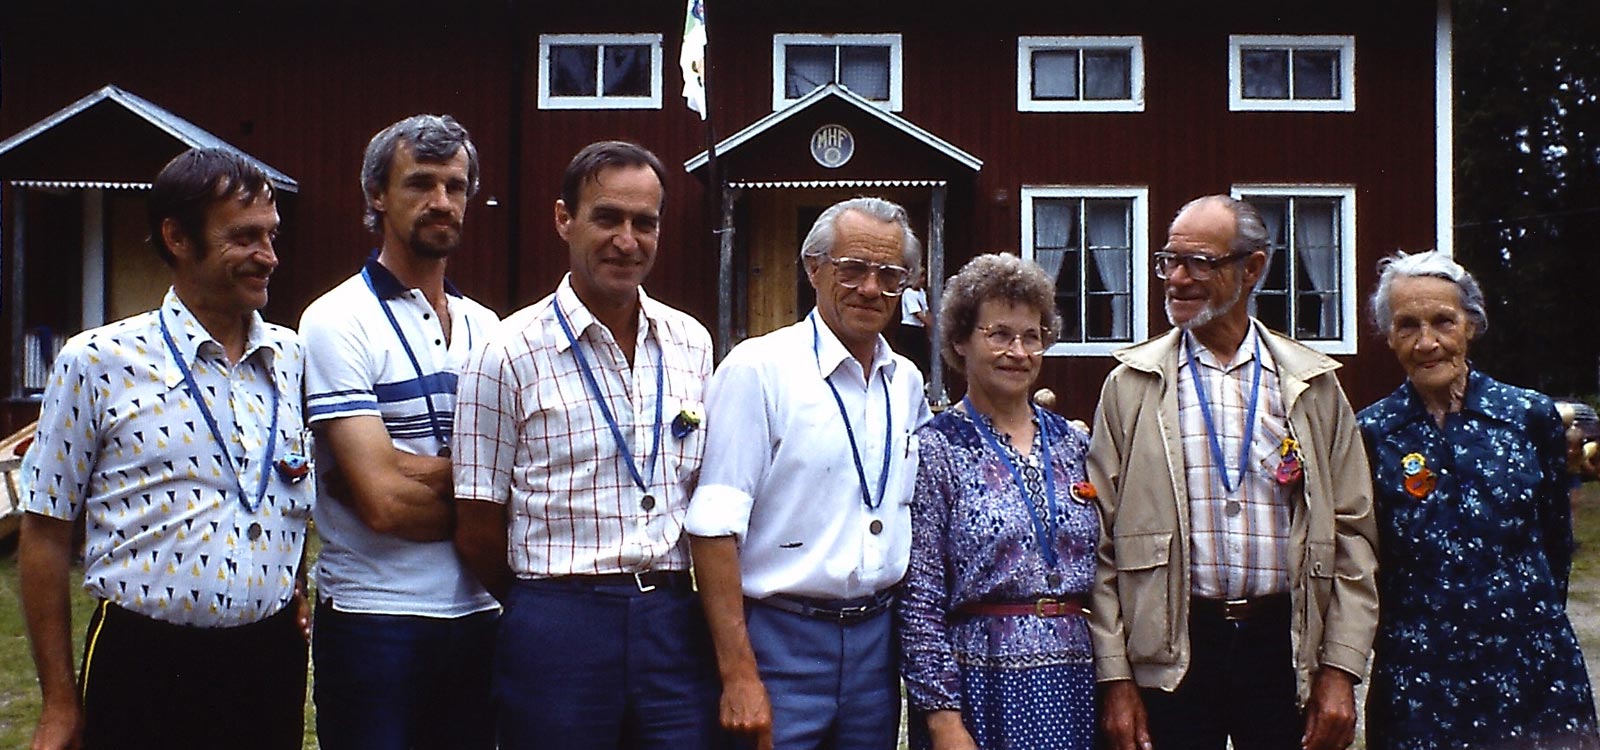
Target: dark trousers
(604, 667)
(151, 684)
(1240, 685)
(397, 682)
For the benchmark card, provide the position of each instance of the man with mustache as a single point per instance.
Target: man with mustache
(404, 633)
(580, 442)
(175, 437)
(1235, 596)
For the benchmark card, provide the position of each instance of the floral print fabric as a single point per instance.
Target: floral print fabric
(1474, 648)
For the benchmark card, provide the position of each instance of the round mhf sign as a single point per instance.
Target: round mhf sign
(832, 146)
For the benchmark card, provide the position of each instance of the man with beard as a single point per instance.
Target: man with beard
(175, 438)
(404, 634)
(1235, 596)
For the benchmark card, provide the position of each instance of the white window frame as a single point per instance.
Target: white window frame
(1027, 45)
(1139, 286)
(780, 49)
(1346, 45)
(1349, 320)
(599, 100)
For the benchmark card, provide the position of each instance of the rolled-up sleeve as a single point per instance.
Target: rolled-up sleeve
(739, 447)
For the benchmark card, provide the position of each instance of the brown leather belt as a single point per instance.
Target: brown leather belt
(1238, 610)
(645, 580)
(1043, 607)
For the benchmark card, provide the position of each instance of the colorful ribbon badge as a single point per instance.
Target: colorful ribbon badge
(293, 467)
(1419, 481)
(687, 421)
(1084, 492)
(1291, 467)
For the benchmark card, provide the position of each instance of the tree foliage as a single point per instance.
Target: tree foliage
(1527, 110)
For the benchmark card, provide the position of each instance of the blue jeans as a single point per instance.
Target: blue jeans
(832, 685)
(397, 682)
(601, 667)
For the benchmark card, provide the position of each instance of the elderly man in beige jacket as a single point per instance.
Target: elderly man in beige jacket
(1235, 596)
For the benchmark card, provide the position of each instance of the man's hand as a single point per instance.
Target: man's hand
(1331, 712)
(746, 711)
(302, 611)
(1124, 720)
(60, 727)
(948, 733)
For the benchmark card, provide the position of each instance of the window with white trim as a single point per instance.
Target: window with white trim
(1315, 73)
(600, 71)
(1308, 290)
(1093, 242)
(1080, 74)
(867, 64)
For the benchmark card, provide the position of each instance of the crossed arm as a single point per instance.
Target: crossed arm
(391, 491)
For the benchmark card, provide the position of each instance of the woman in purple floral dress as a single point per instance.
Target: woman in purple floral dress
(1474, 649)
(996, 647)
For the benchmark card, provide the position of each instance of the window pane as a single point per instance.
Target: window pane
(1272, 309)
(627, 71)
(1107, 74)
(1316, 74)
(1265, 72)
(1273, 212)
(1055, 74)
(572, 69)
(1070, 278)
(806, 67)
(1108, 318)
(1071, 320)
(1316, 252)
(865, 71)
(1055, 223)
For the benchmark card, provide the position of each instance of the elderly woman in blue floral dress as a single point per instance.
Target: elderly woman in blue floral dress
(996, 648)
(1474, 649)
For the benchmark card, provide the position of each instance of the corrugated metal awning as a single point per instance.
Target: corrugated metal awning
(110, 138)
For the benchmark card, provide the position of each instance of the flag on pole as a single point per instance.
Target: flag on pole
(692, 60)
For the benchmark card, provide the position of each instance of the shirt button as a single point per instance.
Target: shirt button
(438, 342)
(427, 316)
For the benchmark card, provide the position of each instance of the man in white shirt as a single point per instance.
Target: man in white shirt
(404, 633)
(578, 445)
(801, 524)
(175, 436)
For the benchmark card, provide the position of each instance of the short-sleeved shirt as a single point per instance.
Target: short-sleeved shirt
(356, 365)
(780, 474)
(530, 434)
(122, 442)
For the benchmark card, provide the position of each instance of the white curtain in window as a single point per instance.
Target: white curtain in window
(1053, 232)
(806, 68)
(1316, 244)
(1109, 235)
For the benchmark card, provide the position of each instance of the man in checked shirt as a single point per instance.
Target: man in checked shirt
(1235, 597)
(577, 449)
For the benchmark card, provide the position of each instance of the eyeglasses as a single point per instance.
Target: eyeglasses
(852, 273)
(1199, 267)
(1001, 338)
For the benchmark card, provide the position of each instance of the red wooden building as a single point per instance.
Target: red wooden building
(1067, 132)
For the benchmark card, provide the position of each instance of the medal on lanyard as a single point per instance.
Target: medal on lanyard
(876, 527)
(439, 433)
(648, 502)
(254, 531)
(1044, 531)
(1233, 507)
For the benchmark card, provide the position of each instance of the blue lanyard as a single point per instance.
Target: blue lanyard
(1211, 427)
(216, 433)
(605, 411)
(1044, 531)
(439, 433)
(855, 452)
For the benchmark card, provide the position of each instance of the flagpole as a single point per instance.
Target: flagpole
(716, 202)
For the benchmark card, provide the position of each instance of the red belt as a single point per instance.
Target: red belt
(1043, 607)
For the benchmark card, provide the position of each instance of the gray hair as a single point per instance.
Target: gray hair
(995, 276)
(432, 138)
(1249, 231)
(1429, 264)
(820, 240)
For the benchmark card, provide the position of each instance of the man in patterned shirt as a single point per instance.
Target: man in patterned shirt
(577, 446)
(176, 437)
(404, 633)
(1235, 596)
